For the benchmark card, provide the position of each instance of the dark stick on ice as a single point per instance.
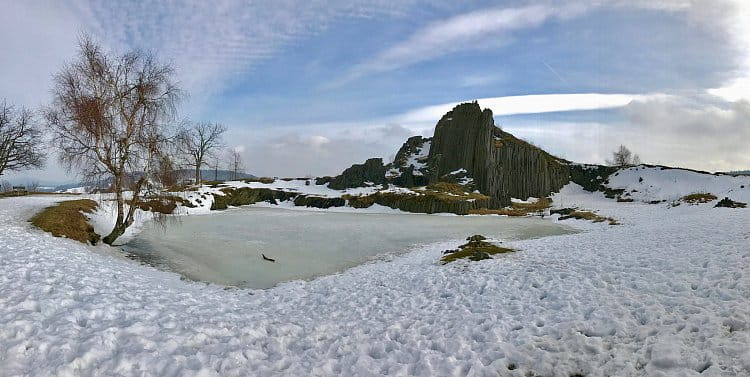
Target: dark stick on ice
(267, 258)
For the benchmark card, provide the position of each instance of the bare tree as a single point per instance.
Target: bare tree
(216, 168)
(32, 186)
(198, 142)
(108, 119)
(165, 172)
(21, 144)
(624, 157)
(235, 162)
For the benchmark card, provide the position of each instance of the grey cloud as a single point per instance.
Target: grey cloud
(35, 37)
(395, 131)
(680, 131)
(297, 155)
(696, 132)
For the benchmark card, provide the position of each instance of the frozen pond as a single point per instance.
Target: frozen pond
(226, 248)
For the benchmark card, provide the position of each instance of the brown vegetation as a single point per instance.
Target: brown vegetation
(264, 180)
(516, 209)
(569, 213)
(475, 250)
(698, 198)
(66, 219)
(428, 200)
(164, 205)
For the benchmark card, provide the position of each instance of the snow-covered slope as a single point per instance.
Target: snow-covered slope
(654, 183)
(665, 294)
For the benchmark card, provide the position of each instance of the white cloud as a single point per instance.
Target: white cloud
(478, 29)
(211, 43)
(293, 152)
(738, 27)
(684, 132)
(494, 27)
(530, 104)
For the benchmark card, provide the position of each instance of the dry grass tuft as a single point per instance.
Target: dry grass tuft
(450, 191)
(590, 216)
(165, 205)
(502, 211)
(264, 180)
(540, 205)
(698, 198)
(66, 219)
(450, 188)
(475, 250)
(516, 209)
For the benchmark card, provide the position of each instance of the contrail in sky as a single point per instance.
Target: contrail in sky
(555, 73)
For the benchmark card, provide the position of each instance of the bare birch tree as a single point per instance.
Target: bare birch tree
(108, 119)
(21, 143)
(198, 142)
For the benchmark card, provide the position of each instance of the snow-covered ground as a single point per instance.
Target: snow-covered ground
(667, 293)
(648, 183)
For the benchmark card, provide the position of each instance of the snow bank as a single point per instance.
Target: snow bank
(664, 294)
(654, 183)
(301, 186)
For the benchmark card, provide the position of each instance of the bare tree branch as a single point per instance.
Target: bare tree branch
(21, 143)
(624, 157)
(234, 159)
(197, 142)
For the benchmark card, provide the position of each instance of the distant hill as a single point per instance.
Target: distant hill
(739, 172)
(182, 174)
(211, 175)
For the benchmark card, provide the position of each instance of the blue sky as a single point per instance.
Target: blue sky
(312, 87)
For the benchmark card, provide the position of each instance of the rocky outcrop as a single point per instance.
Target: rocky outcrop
(591, 177)
(247, 195)
(372, 172)
(424, 201)
(468, 149)
(501, 165)
(318, 202)
(409, 167)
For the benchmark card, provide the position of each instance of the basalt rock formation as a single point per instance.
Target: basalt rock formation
(371, 172)
(409, 167)
(501, 165)
(468, 147)
(249, 195)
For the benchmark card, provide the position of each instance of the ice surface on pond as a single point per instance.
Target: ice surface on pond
(226, 248)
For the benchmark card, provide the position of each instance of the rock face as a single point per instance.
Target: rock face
(246, 195)
(467, 148)
(429, 202)
(371, 171)
(409, 167)
(501, 165)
